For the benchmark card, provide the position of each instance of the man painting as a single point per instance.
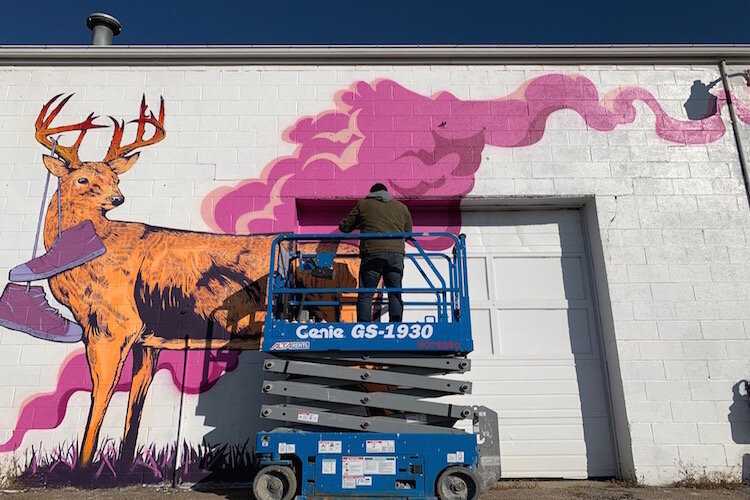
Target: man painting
(378, 212)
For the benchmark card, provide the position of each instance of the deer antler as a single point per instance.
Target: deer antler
(117, 151)
(43, 130)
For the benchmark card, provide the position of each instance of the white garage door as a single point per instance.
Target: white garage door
(537, 360)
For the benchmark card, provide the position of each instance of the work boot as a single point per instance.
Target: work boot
(75, 246)
(29, 312)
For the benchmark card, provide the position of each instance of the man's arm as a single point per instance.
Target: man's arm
(351, 221)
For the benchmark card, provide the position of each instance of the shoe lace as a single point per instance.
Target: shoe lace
(49, 309)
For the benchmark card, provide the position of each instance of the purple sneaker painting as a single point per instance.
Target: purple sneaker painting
(74, 247)
(30, 313)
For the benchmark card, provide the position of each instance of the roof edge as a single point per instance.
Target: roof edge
(11, 55)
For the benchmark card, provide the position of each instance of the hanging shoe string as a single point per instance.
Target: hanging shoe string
(41, 210)
(59, 206)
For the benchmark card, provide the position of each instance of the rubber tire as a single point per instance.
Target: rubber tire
(279, 474)
(463, 476)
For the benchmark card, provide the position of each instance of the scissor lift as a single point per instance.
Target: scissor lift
(358, 418)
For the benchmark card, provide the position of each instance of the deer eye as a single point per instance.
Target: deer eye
(83, 180)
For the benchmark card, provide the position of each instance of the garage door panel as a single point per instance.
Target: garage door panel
(482, 333)
(535, 278)
(556, 334)
(524, 231)
(538, 415)
(478, 277)
(559, 466)
(522, 432)
(526, 387)
(547, 405)
(520, 242)
(587, 389)
(549, 447)
(557, 428)
(520, 402)
(506, 371)
(414, 278)
(537, 361)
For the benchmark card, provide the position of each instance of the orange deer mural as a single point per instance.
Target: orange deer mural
(155, 288)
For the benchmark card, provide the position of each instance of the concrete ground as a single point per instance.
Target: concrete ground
(506, 490)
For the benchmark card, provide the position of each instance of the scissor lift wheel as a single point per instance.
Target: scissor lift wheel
(275, 483)
(457, 483)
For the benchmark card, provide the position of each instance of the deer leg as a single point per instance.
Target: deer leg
(106, 356)
(144, 367)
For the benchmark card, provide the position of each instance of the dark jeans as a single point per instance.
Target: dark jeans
(389, 265)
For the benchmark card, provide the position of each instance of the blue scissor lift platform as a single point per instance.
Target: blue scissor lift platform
(358, 420)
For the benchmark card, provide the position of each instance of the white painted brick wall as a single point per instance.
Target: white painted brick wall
(674, 221)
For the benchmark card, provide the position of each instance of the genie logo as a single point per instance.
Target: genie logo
(329, 332)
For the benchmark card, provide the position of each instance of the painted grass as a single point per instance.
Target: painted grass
(201, 463)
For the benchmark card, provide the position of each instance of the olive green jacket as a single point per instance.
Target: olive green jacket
(378, 213)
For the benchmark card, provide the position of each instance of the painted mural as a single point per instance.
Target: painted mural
(133, 289)
(150, 292)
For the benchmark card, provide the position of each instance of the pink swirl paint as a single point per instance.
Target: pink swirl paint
(423, 147)
(46, 411)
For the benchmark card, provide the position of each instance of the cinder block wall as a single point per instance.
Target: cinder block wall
(670, 203)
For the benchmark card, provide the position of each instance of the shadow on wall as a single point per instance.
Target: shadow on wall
(585, 347)
(232, 408)
(701, 104)
(739, 421)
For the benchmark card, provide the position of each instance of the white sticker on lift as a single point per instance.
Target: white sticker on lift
(348, 482)
(380, 466)
(329, 446)
(380, 446)
(329, 466)
(460, 456)
(307, 416)
(352, 466)
(457, 457)
(364, 481)
(287, 447)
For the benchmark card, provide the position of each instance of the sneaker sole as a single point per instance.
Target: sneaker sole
(23, 278)
(40, 335)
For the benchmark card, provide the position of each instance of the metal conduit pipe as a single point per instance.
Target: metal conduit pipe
(735, 128)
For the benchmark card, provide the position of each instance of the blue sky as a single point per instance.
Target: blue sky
(382, 21)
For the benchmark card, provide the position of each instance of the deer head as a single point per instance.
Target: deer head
(92, 186)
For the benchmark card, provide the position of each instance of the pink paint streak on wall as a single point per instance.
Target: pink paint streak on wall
(46, 411)
(423, 147)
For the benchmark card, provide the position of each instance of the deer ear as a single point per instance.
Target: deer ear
(57, 167)
(123, 164)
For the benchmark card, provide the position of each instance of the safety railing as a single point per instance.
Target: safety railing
(297, 258)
